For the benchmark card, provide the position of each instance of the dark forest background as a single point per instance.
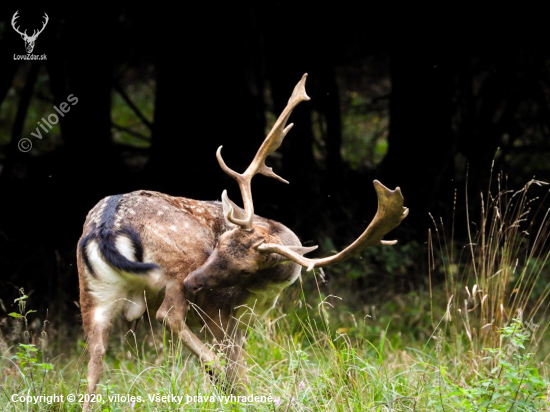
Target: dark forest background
(421, 101)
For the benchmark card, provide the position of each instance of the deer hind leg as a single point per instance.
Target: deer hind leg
(172, 312)
(97, 325)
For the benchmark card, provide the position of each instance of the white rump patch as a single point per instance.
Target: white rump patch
(116, 291)
(125, 247)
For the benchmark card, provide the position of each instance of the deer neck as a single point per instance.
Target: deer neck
(261, 296)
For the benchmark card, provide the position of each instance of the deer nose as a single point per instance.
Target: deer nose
(193, 284)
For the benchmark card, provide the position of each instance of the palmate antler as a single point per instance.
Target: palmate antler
(389, 215)
(390, 202)
(271, 143)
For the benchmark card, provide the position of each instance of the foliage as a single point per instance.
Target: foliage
(27, 355)
(510, 380)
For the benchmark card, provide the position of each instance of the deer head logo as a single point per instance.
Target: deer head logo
(29, 40)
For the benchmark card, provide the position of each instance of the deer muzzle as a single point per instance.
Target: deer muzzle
(195, 282)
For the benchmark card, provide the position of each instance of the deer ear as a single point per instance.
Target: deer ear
(230, 207)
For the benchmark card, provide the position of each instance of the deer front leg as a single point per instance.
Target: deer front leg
(172, 311)
(235, 372)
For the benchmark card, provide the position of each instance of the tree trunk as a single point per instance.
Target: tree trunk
(420, 142)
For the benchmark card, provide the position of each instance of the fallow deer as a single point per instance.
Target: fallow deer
(224, 263)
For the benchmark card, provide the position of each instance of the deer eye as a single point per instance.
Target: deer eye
(246, 273)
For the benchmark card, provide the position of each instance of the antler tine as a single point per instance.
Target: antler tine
(389, 215)
(37, 32)
(45, 23)
(271, 143)
(13, 22)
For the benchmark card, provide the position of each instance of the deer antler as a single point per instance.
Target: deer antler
(271, 143)
(389, 215)
(35, 32)
(13, 19)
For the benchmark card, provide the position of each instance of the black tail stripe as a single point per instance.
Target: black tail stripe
(107, 247)
(106, 235)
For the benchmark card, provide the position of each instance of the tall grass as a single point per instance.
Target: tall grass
(503, 272)
(497, 289)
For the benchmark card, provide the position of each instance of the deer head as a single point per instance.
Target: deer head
(248, 248)
(29, 40)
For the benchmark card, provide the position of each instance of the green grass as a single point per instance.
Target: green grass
(315, 357)
(477, 342)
